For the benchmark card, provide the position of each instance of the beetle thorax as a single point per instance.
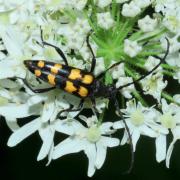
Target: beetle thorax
(102, 90)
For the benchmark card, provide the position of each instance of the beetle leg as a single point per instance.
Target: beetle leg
(93, 63)
(37, 90)
(70, 109)
(128, 132)
(59, 51)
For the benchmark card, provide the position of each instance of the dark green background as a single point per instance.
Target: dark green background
(19, 163)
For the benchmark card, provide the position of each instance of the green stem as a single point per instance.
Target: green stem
(122, 102)
(99, 42)
(135, 92)
(130, 72)
(152, 35)
(90, 22)
(169, 98)
(140, 98)
(149, 53)
(168, 73)
(118, 15)
(135, 35)
(166, 66)
(152, 46)
(114, 9)
(135, 62)
(101, 117)
(125, 29)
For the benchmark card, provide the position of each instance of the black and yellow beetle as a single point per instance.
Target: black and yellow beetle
(80, 82)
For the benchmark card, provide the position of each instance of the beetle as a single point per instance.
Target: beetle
(81, 83)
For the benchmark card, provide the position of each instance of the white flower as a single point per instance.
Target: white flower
(21, 12)
(78, 63)
(169, 119)
(164, 5)
(126, 92)
(81, 26)
(79, 4)
(118, 71)
(104, 3)
(153, 85)
(75, 33)
(101, 104)
(9, 93)
(121, 1)
(172, 21)
(174, 43)
(46, 124)
(12, 64)
(151, 62)
(105, 20)
(66, 25)
(19, 104)
(2, 55)
(139, 120)
(176, 136)
(85, 53)
(74, 41)
(13, 41)
(170, 115)
(160, 142)
(100, 67)
(11, 68)
(177, 75)
(173, 59)
(92, 140)
(177, 98)
(142, 3)
(130, 10)
(131, 48)
(147, 24)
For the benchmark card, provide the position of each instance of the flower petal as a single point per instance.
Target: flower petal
(23, 132)
(106, 127)
(176, 132)
(68, 127)
(13, 41)
(169, 152)
(6, 69)
(145, 130)
(110, 142)
(68, 146)
(47, 135)
(91, 154)
(118, 125)
(160, 148)
(101, 154)
(50, 154)
(135, 138)
(125, 138)
(17, 111)
(12, 124)
(47, 111)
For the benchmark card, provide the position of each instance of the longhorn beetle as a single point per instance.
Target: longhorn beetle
(79, 82)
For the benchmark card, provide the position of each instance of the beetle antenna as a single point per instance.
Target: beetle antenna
(131, 148)
(162, 60)
(129, 135)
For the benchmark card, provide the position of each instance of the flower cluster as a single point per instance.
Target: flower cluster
(120, 31)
